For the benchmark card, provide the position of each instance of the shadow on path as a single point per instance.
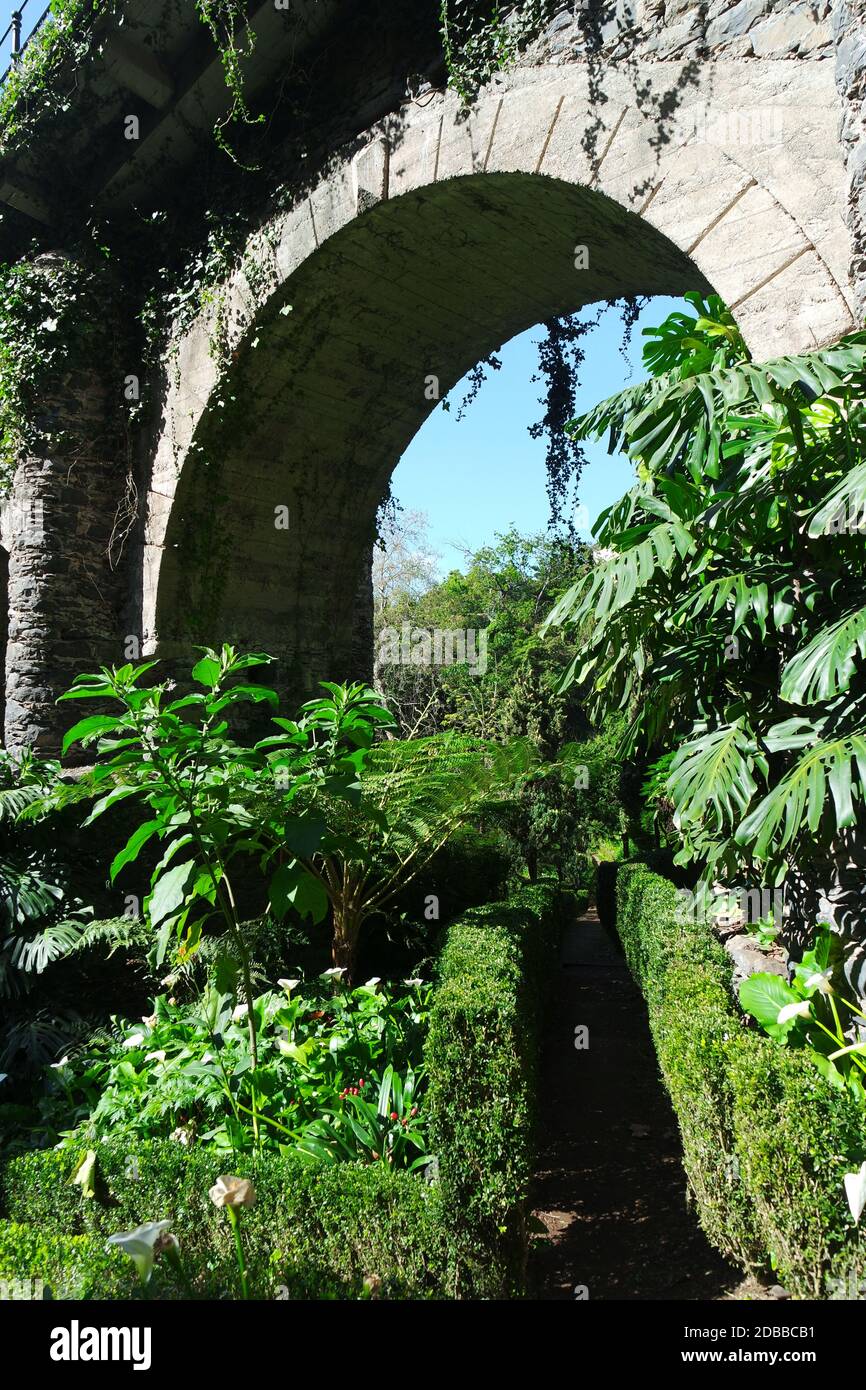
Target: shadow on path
(610, 1186)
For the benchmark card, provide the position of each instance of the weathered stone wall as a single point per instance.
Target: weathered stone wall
(681, 29)
(66, 583)
(849, 30)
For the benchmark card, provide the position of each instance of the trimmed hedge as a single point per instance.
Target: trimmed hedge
(319, 1230)
(766, 1140)
(482, 1054)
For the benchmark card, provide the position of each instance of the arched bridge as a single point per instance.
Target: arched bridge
(214, 473)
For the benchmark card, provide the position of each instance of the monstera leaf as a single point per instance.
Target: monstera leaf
(715, 769)
(824, 668)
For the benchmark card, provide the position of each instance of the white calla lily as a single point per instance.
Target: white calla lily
(820, 981)
(855, 1191)
(802, 1009)
(142, 1244)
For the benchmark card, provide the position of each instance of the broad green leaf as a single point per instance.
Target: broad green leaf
(169, 891)
(131, 850)
(763, 996)
(87, 729)
(825, 666)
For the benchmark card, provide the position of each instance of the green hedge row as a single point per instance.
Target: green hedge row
(318, 1230)
(482, 1054)
(766, 1140)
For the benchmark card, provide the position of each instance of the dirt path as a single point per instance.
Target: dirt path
(610, 1187)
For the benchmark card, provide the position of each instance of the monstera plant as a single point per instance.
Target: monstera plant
(727, 608)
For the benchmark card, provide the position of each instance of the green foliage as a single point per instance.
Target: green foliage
(33, 90)
(40, 921)
(766, 1139)
(43, 319)
(315, 1231)
(814, 1012)
(727, 623)
(482, 1058)
(228, 23)
(334, 1069)
(67, 1267)
(414, 794)
(504, 594)
(321, 1230)
(482, 39)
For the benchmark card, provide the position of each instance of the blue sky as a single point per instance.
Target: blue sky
(29, 17)
(477, 477)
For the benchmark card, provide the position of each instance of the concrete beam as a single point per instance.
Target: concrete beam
(20, 193)
(139, 70)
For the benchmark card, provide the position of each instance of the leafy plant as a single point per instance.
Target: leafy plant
(413, 795)
(203, 792)
(806, 1013)
(726, 615)
(338, 1074)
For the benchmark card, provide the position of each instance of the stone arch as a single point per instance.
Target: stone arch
(442, 235)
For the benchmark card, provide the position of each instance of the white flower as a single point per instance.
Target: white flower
(335, 973)
(142, 1244)
(820, 982)
(232, 1192)
(855, 1191)
(288, 985)
(374, 982)
(416, 981)
(240, 1011)
(802, 1009)
(149, 1020)
(64, 1062)
(158, 1056)
(170, 981)
(134, 1040)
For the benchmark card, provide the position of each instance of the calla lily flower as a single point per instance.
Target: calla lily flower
(85, 1174)
(335, 973)
(142, 1245)
(288, 985)
(134, 1040)
(374, 982)
(240, 1011)
(855, 1191)
(158, 1056)
(802, 1009)
(820, 982)
(232, 1192)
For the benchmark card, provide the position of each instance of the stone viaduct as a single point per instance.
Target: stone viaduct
(716, 145)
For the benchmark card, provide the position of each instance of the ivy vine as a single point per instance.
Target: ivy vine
(483, 37)
(235, 40)
(43, 316)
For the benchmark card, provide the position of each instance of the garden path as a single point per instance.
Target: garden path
(610, 1187)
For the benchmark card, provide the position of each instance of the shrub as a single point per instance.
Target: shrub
(481, 1055)
(66, 1266)
(319, 1230)
(766, 1140)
